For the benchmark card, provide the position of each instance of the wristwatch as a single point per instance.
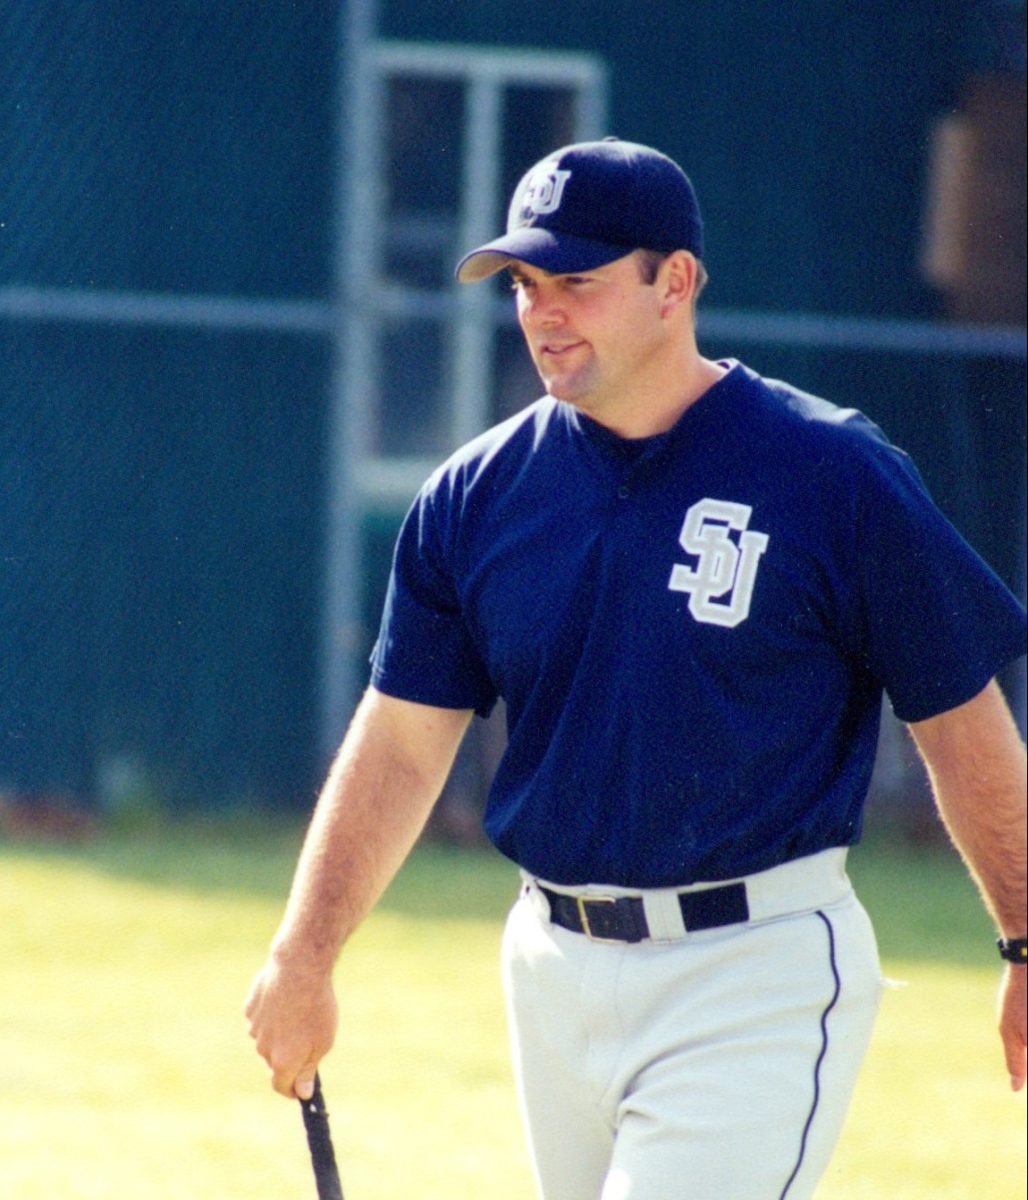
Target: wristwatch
(1014, 950)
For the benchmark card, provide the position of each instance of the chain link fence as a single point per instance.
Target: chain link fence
(166, 356)
(164, 198)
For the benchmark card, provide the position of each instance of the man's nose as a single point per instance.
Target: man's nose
(542, 308)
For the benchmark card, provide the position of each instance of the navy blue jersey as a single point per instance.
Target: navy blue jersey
(691, 632)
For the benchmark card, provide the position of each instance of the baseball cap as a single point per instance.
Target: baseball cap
(590, 203)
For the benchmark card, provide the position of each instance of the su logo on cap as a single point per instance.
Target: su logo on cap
(541, 193)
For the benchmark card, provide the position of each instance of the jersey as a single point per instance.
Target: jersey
(691, 632)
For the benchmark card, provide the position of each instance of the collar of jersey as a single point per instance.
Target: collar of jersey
(626, 453)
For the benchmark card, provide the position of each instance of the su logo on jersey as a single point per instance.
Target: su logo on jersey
(720, 585)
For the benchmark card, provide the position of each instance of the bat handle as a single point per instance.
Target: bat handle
(319, 1141)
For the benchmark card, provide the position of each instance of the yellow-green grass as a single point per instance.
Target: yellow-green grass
(125, 1069)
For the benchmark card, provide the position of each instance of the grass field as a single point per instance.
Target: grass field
(125, 1069)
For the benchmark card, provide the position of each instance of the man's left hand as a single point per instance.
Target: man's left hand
(1013, 1022)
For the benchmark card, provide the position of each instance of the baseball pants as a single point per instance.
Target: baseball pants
(712, 1065)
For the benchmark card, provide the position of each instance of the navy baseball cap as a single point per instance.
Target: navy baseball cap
(589, 204)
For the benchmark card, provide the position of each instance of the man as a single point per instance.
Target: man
(690, 586)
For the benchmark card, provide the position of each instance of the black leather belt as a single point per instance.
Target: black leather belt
(623, 918)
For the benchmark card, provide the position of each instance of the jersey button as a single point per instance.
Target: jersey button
(624, 491)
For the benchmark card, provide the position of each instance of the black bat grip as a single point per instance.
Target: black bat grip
(319, 1139)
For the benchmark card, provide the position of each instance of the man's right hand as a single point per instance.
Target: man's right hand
(293, 1018)
(389, 772)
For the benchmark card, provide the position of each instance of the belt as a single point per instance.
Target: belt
(623, 918)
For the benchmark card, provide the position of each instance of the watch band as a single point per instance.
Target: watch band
(1014, 950)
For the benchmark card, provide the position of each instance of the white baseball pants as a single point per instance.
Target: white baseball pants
(716, 1065)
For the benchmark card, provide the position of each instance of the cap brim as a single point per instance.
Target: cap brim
(547, 249)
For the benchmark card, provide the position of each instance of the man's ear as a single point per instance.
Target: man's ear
(677, 281)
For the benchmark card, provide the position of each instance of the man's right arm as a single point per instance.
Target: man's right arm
(386, 778)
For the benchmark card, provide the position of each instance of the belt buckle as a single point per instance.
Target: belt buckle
(583, 916)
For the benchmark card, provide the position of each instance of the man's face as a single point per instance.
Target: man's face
(594, 337)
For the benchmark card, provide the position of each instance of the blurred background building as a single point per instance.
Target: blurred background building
(231, 348)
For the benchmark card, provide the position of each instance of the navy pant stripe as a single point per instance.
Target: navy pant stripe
(821, 1056)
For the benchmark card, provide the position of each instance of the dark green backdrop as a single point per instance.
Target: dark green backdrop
(161, 489)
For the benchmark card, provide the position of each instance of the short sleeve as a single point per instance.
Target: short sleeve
(938, 622)
(424, 650)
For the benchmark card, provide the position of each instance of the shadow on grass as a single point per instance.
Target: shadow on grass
(921, 900)
(241, 855)
(256, 856)
(923, 904)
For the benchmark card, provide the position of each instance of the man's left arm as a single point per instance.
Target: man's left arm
(976, 762)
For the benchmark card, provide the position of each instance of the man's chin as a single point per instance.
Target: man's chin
(568, 389)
